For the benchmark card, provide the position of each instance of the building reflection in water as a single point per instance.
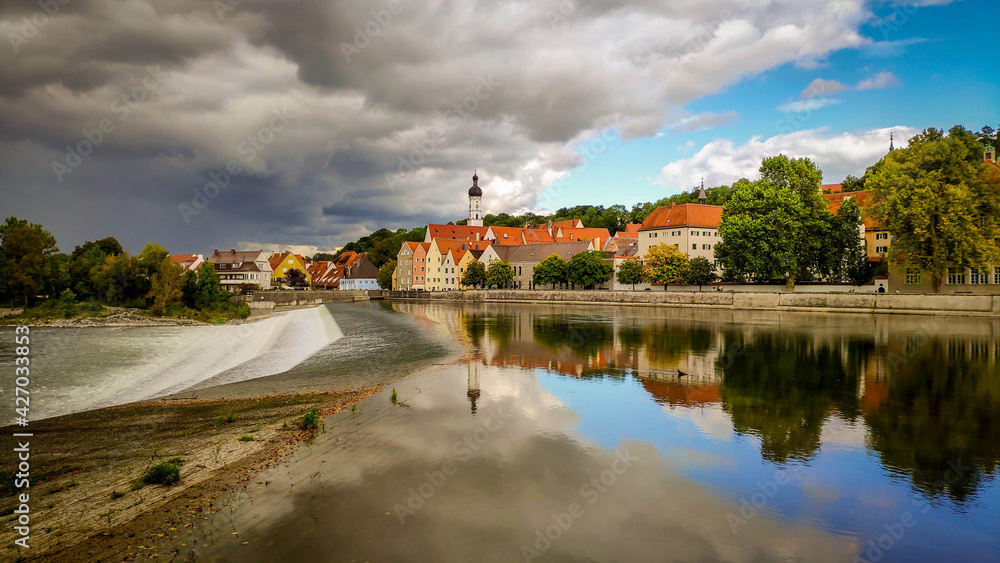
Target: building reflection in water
(925, 392)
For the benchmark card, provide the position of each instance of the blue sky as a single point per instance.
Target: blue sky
(944, 75)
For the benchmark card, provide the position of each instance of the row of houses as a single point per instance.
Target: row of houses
(239, 270)
(439, 262)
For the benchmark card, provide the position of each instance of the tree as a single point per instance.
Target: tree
(165, 286)
(296, 278)
(664, 263)
(804, 180)
(26, 249)
(852, 184)
(475, 274)
(118, 280)
(630, 272)
(207, 286)
(499, 273)
(552, 270)
(761, 229)
(849, 260)
(699, 272)
(940, 203)
(385, 274)
(588, 269)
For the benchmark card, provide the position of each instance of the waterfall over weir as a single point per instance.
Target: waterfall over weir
(83, 369)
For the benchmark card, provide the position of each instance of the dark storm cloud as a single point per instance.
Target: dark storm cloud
(387, 105)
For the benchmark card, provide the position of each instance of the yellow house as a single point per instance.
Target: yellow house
(282, 262)
(442, 268)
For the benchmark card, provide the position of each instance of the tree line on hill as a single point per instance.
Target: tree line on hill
(34, 273)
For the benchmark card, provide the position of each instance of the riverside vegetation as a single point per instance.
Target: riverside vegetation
(100, 277)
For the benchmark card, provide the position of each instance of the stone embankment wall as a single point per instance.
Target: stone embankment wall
(966, 305)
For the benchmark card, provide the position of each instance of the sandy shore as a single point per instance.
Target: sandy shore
(86, 500)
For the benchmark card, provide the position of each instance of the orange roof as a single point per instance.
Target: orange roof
(507, 235)
(277, 259)
(631, 231)
(445, 245)
(455, 232)
(831, 188)
(537, 236)
(585, 233)
(863, 200)
(683, 215)
(567, 224)
(411, 245)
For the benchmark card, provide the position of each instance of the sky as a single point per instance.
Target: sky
(308, 124)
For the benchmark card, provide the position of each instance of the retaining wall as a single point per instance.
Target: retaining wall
(969, 305)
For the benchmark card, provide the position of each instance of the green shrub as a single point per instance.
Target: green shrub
(311, 419)
(165, 473)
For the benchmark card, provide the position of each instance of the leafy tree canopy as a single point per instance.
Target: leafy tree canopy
(664, 263)
(589, 268)
(552, 271)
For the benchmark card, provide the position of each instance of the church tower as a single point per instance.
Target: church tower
(475, 203)
(702, 197)
(891, 148)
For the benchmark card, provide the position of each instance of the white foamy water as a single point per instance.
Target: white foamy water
(84, 369)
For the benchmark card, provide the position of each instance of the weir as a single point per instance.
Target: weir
(142, 363)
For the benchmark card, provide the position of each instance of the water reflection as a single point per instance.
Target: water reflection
(926, 392)
(874, 420)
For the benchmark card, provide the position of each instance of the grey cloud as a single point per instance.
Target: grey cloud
(529, 89)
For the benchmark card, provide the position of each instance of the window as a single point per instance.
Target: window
(694, 247)
(706, 247)
(996, 275)
(290, 261)
(912, 276)
(977, 276)
(881, 249)
(956, 276)
(881, 236)
(677, 246)
(718, 265)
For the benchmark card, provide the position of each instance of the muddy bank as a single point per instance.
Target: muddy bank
(87, 499)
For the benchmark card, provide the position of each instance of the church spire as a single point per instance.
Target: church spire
(891, 148)
(702, 198)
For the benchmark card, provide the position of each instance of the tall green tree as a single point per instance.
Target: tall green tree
(699, 272)
(589, 269)
(940, 202)
(630, 272)
(804, 179)
(664, 263)
(499, 273)
(26, 249)
(385, 274)
(207, 291)
(475, 275)
(552, 271)
(761, 229)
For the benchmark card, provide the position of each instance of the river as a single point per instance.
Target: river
(603, 433)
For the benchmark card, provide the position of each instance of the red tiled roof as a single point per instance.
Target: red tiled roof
(683, 215)
(455, 232)
(831, 188)
(537, 236)
(631, 231)
(567, 224)
(507, 235)
(863, 200)
(586, 233)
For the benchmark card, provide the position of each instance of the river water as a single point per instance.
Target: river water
(646, 434)
(601, 433)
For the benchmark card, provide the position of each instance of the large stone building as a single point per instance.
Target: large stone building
(692, 228)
